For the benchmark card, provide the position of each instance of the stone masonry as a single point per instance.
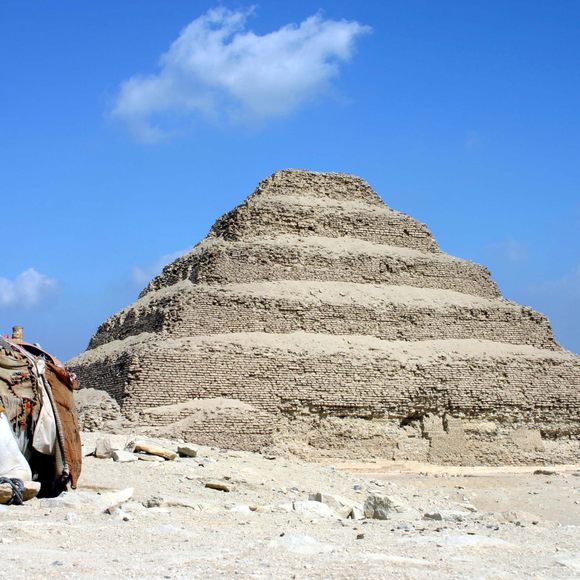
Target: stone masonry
(316, 320)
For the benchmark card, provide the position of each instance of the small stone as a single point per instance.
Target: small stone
(343, 507)
(219, 486)
(187, 450)
(382, 507)
(103, 448)
(357, 512)
(121, 456)
(360, 536)
(545, 472)
(446, 515)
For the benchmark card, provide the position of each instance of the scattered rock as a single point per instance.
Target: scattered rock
(357, 512)
(219, 485)
(446, 515)
(281, 508)
(545, 472)
(342, 506)
(119, 513)
(187, 450)
(469, 507)
(103, 448)
(121, 456)
(152, 449)
(383, 507)
(168, 502)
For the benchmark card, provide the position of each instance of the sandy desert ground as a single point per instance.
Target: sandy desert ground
(157, 519)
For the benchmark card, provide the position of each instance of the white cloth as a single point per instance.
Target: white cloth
(44, 438)
(12, 462)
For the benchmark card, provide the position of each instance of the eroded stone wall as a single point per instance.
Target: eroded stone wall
(380, 226)
(242, 262)
(202, 310)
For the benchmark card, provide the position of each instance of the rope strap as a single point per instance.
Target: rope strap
(17, 486)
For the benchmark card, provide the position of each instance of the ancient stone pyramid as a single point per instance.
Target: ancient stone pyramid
(315, 317)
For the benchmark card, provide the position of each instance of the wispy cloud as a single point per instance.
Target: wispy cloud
(569, 284)
(142, 275)
(27, 289)
(216, 68)
(510, 250)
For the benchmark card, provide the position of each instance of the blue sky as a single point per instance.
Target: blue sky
(127, 128)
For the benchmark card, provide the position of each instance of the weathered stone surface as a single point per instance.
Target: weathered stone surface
(187, 450)
(447, 515)
(103, 448)
(219, 486)
(384, 507)
(314, 316)
(314, 509)
(122, 456)
(152, 449)
(342, 506)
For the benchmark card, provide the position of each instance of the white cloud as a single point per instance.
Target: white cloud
(216, 66)
(510, 250)
(27, 289)
(142, 275)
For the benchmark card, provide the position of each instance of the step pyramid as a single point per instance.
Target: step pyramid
(316, 319)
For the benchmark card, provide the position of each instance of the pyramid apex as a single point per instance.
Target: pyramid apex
(318, 184)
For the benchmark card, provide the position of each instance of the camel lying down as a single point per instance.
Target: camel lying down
(40, 449)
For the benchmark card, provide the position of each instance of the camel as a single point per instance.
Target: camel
(39, 432)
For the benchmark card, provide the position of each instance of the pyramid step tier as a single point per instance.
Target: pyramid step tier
(386, 312)
(341, 375)
(217, 261)
(324, 186)
(309, 216)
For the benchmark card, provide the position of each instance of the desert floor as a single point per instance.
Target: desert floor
(148, 519)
